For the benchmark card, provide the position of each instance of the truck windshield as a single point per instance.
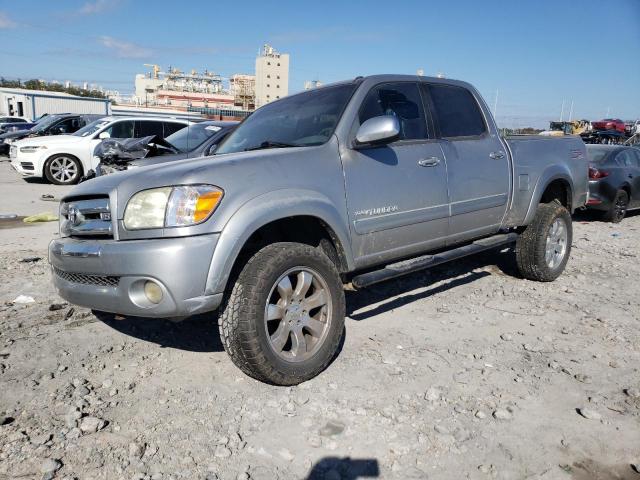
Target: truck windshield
(302, 120)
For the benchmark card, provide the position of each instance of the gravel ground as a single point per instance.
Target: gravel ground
(466, 371)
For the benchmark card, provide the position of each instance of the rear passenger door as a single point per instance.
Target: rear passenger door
(477, 164)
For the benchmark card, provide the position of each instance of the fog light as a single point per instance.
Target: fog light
(153, 292)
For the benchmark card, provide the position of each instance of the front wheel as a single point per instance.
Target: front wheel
(63, 169)
(543, 249)
(283, 319)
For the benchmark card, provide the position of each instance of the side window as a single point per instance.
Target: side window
(65, 126)
(627, 158)
(457, 111)
(402, 100)
(145, 128)
(172, 127)
(123, 129)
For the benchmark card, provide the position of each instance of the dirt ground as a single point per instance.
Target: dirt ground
(462, 372)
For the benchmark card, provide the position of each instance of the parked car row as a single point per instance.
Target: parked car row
(64, 158)
(58, 124)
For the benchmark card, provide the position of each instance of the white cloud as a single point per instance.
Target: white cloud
(6, 22)
(97, 6)
(123, 49)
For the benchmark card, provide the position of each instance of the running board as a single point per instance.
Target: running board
(398, 269)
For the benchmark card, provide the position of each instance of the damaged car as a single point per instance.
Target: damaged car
(198, 140)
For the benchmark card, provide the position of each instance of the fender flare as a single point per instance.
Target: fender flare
(265, 209)
(550, 174)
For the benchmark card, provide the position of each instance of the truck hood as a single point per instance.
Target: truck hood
(268, 169)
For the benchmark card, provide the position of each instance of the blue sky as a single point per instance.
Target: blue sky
(535, 53)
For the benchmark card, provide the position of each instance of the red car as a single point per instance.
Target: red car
(609, 124)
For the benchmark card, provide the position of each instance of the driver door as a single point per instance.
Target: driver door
(396, 193)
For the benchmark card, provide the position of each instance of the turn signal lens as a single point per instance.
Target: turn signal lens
(191, 204)
(206, 203)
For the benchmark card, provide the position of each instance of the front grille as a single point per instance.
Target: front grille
(26, 165)
(86, 218)
(85, 279)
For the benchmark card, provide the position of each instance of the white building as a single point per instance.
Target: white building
(21, 102)
(272, 75)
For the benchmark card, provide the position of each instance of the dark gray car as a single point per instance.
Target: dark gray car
(614, 180)
(197, 140)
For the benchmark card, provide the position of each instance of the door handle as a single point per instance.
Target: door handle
(429, 162)
(497, 155)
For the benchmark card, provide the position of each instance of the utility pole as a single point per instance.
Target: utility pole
(495, 104)
(562, 110)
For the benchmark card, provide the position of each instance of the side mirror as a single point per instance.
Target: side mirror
(212, 149)
(104, 135)
(382, 129)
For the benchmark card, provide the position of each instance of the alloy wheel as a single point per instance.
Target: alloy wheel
(63, 169)
(298, 314)
(556, 245)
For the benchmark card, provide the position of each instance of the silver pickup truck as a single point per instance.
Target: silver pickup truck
(353, 183)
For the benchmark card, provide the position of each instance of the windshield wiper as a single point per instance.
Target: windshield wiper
(270, 144)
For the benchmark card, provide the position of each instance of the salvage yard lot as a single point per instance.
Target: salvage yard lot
(465, 371)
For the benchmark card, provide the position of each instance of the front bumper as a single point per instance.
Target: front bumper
(109, 275)
(25, 165)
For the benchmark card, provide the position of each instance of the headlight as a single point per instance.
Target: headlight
(32, 148)
(171, 206)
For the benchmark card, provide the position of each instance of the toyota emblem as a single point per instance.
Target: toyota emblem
(73, 215)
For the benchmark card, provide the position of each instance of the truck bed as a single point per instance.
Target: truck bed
(538, 159)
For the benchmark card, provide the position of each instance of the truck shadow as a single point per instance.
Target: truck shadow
(198, 333)
(394, 293)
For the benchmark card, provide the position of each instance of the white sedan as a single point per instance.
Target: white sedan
(63, 159)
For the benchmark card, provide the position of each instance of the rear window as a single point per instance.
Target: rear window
(457, 111)
(597, 155)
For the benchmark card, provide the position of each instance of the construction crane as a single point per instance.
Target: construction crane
(155, 68)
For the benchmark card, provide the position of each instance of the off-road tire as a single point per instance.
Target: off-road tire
(49, 174)
(241, 321)
(531, 244)
(618, 209)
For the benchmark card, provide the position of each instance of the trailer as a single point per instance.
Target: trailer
(32, 104)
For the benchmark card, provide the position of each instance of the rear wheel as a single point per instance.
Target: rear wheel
(543, 249)
(283, 320)
(63, 169)
(618, 208)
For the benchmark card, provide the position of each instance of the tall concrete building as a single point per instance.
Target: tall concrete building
(272, 75)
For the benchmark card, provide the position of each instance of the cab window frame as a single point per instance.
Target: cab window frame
(429, 130)
(427, 86)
